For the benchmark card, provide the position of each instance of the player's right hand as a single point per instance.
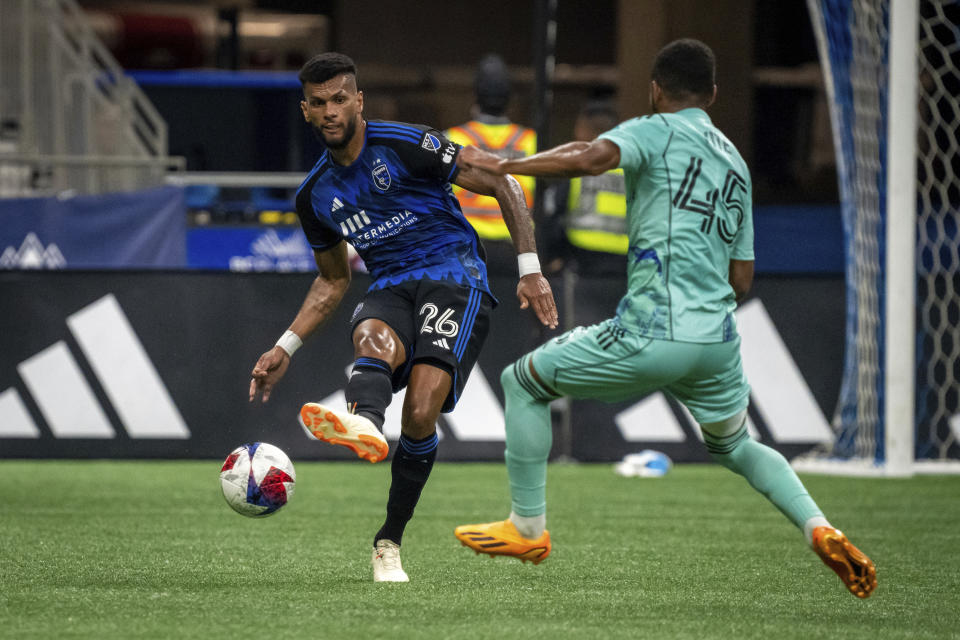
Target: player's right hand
(267, 372)
(533, 290)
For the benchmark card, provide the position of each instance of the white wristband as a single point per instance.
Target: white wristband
(528, 263)
(289, 342)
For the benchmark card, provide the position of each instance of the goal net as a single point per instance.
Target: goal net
(891, 73)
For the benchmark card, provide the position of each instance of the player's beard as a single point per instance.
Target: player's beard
(348, 132)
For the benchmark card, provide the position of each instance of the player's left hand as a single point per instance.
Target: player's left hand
(473, 157)
(533, 290)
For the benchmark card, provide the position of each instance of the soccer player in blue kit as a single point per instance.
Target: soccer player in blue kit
(384, 187)
(690, 227)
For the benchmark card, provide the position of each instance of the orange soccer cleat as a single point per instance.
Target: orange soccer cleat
(852, 565)
(343, 428)
(503, 539)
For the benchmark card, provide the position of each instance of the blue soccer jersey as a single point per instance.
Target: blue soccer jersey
(395, 205)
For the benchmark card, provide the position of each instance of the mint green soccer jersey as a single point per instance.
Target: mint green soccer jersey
(689, 212)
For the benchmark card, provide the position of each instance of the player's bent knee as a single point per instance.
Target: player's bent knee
(374, 338)
(724, 440)
(511, 383)
(518, 380)
(725, 427)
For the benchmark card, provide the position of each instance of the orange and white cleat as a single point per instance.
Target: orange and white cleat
(503, 539)
(343, 428)
(852, 565)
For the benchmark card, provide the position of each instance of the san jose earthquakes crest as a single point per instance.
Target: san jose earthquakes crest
(381, 177)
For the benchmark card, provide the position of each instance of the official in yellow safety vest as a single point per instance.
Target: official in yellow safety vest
(596, 220)
(490, 129)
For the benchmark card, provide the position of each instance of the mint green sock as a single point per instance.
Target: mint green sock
(529, 437)
(767, 471)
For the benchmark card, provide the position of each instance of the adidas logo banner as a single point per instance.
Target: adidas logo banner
(113, 364)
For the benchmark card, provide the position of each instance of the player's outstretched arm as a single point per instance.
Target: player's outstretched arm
(565, 161)
(533, 290)
(322, 299)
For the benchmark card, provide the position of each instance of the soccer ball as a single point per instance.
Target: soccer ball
(257, 479)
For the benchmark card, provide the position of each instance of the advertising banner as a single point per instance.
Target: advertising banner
(135, 230)
(252, 248)
(813, 232)
(115, 364)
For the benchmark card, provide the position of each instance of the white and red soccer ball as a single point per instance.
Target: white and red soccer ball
(257, 479)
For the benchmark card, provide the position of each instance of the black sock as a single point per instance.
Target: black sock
(410, 469)
(369, 390)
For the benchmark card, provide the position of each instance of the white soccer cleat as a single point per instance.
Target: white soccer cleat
(346, 429)
(386, 562)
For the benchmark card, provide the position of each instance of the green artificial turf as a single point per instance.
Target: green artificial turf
(150, 550)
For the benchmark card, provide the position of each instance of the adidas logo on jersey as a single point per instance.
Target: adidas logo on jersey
(442, 343)
(336, 204)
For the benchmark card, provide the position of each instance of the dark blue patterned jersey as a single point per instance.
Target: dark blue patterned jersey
(395, 205)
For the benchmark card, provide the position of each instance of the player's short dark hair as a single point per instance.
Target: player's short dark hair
(685, 67)
(324, 66)
(491, 85)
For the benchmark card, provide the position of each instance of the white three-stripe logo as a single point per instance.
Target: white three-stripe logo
(337, 204)
(65, 398)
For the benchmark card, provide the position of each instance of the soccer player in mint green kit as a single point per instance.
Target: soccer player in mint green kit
(689, 217)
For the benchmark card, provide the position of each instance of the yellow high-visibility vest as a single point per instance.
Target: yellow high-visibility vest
(597, 213)
(506, 140)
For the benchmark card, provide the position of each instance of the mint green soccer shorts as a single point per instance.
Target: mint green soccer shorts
(605, 362)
